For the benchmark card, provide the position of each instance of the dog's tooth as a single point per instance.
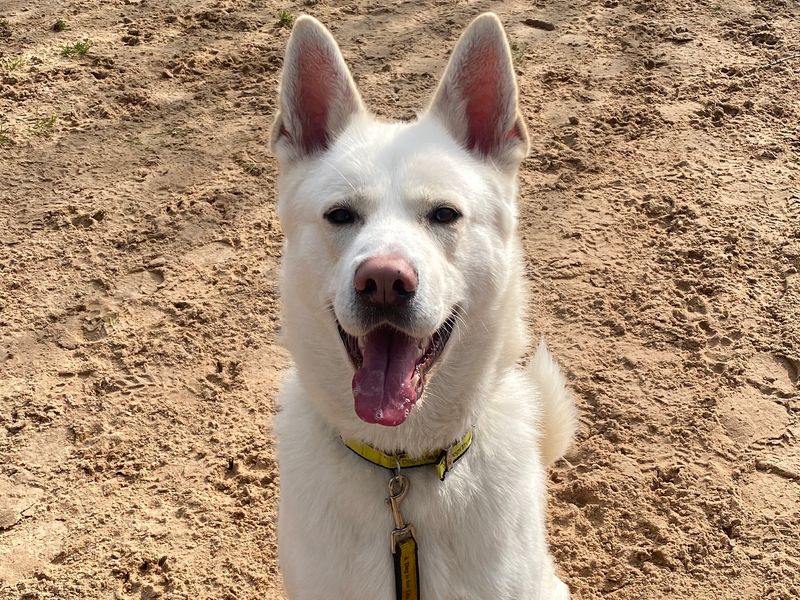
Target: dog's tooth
(416, 381)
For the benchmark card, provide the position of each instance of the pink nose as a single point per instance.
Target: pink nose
(386, 280)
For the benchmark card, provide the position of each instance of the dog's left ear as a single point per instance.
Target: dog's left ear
(317, 97)
(477, 97)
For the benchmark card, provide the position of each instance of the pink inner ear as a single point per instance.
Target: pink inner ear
(486, 93)
(315, 88)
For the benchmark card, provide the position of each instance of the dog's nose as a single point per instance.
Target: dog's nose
(386, 280)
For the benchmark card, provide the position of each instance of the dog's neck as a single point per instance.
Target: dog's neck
(415, 437)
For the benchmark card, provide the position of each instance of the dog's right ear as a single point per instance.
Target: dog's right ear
(317, 95)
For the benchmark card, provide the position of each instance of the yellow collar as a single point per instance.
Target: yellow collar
(443, 459)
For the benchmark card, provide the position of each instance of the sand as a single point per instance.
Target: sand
(139, 342)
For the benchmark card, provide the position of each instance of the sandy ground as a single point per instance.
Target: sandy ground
(138, 312)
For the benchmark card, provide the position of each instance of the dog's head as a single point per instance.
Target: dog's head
(400, 268)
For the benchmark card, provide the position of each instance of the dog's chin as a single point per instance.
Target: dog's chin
(391, 369)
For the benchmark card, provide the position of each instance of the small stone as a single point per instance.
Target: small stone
(9, 518)
(162, 562)
(66, 343)
(753, 554)
(539, 24)
(15, 426)
(158, 261)
(573, 120)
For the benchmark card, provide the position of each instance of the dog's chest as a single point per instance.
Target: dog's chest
(478, 532)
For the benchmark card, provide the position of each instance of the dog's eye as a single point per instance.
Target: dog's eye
(340, 216)
(444, 215)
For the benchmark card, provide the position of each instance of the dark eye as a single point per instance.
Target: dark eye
(340, 216)
(444, 215)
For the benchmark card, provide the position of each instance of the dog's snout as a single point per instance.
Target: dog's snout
(386, 280)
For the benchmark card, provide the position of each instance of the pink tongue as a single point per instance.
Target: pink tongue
(382, 387)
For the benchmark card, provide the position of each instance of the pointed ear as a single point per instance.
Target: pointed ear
(317, 96)
(477, 97)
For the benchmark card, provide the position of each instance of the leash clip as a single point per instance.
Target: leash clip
(398, 487)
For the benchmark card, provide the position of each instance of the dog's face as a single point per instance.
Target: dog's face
(399, 236)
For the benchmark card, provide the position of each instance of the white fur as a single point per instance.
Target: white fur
(558, 419)
(481, 532)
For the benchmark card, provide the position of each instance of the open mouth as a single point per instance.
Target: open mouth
(391, 369)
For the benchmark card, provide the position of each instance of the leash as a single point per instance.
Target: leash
(403, 543)
(402, 539)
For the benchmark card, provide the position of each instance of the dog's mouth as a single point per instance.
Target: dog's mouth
(391, 370)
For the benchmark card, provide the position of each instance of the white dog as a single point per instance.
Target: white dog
(403, 299)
